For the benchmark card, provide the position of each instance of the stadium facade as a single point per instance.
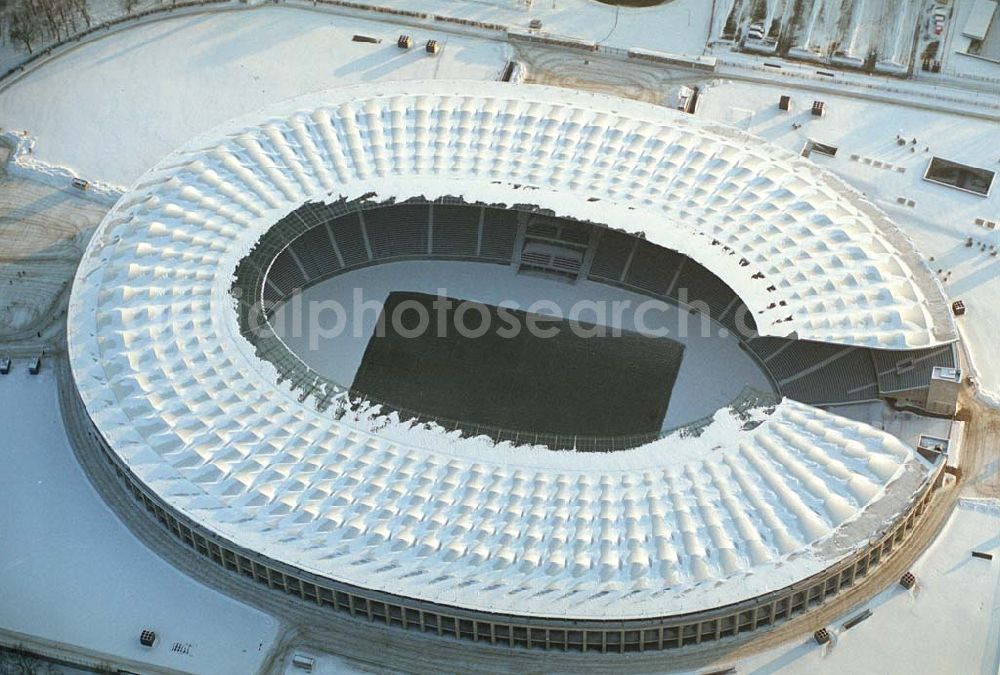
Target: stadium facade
(232, 442)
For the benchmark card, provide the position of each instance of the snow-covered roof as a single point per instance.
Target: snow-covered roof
(977, 25)
(676, 526)
(841, 271)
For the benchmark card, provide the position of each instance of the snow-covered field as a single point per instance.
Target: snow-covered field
(71, 573)
(713, 372)
(111, 108)
(950, 624)
(869, 157)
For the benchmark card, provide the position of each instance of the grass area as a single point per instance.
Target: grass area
(571, 383)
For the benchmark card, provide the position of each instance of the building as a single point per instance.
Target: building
(232, 442)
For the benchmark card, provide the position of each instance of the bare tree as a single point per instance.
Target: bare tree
(25, 28)
(129, 5)
(44, 11)
(80, 7)
(6, 10)
(30, 22)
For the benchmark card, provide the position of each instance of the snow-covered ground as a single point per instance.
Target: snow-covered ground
(113, 107)
(950, 624)
(713, 372)
(13, 53)
(678, 26)
(42, 234)
(325, 664)
(71, 573)
(940, 218)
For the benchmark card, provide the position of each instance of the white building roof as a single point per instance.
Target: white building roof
(977, 25)
(676, 526)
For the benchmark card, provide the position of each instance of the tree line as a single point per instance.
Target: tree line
(30, 23)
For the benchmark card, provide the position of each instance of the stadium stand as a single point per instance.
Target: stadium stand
(499, 232)
(350, 238)
(612, 256)
(286, 274)
(318, 241)
(317, 247)
(555, 246)
(640, 265)
(817, 373)
(786, 363)
(849, 378)
(652, 268)
(455, 231)
(907, 370)
(701, 286)
(398, 232)
(558, 229)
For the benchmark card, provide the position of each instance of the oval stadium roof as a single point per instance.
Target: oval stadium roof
(677, 526)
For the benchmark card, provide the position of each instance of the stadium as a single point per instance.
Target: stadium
(669, 493)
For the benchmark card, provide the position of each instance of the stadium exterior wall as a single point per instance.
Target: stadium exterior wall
(654, 633)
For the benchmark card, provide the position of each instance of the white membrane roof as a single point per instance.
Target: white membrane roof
(677, 526)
